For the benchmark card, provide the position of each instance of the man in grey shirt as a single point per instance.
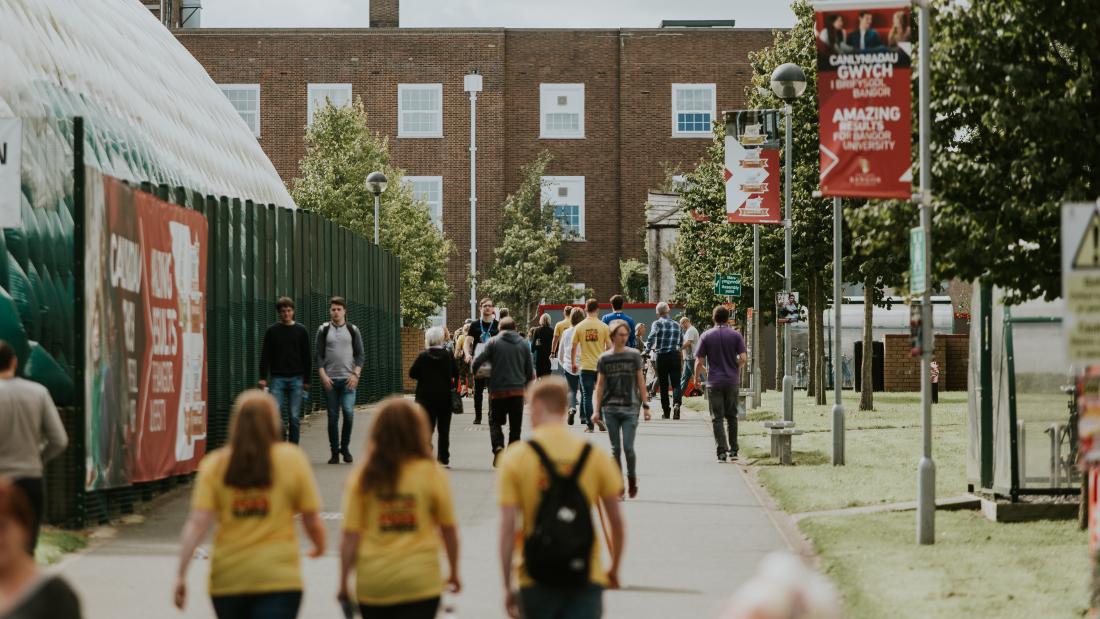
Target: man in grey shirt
(339, 349)
(31, 433)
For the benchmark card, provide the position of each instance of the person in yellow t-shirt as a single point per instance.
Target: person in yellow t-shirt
(592, 338)
(520, 485)
(397, 511)
(252, 490)
(559, 329)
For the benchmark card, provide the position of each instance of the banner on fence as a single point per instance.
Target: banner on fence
(145, 357)
(863, 88)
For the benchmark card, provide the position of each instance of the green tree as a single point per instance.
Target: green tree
(634, 278)
(529, 263)
(340, 152)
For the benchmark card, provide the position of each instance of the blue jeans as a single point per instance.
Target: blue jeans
(543, 602)
(689, 371)
(588, 389)
(281, 605)
(340, 397)
(289, 389)
(628, 422)
(574, 381)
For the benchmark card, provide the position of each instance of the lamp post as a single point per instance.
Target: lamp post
(788, 82)
(926, 469)
(376, 184)
(472, 84)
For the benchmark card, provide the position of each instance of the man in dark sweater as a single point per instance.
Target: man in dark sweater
(286, 360)
(513, 369)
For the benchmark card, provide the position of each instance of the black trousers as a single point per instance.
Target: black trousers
(501, 411)
(32, 488)
(479, 390)
(670, 370)
(439, 416)
(424, 609)
(935, 393)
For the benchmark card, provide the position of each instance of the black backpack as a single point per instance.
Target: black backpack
(559, 550)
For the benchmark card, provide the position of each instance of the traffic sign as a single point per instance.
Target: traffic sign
(727, 284)
(918, 281)
(1081, 282)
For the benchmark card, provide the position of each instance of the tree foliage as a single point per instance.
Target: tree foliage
(340, 152)
(634, 279)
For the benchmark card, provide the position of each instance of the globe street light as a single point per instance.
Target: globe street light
(788, 82)
(376, 184)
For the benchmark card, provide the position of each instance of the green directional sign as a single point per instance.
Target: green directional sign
(727, 284)
(917, 248)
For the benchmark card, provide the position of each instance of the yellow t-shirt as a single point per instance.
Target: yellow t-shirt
(399, 544)
(256, 545)
(561, 327)
(523, 478)
(592, 335)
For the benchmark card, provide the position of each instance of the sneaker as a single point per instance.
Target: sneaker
(572, 413)
(347, 456)
(632, 483)
(477, 419)
(733, 455)
(496, 457)
(335, 459)
(665, 415)
(676, 411)
(588, 430)
(721, 457)
(603, 428)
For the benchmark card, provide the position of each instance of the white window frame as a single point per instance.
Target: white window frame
(402, 132)
(578, 287)
(676, 88)
(548, 95)
(244, 88)
(311, 88)
(550, 194)
(410, 180)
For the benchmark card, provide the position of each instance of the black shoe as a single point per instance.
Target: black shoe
(665, 415)
(477, 419)
(676, 411)
(572, 413)
(335, 459)
(496, 457)
(347, 456)
(733, 455)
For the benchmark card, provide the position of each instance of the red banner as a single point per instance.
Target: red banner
(863, 86)
(146, 347)
(752, 178)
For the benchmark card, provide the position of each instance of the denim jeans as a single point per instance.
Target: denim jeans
(340, 397)
(628, 423)
(723, 412)
(287, 391)
(689, 371)
(588, 389)
(281, 605)
(574, 381)
(543, 602)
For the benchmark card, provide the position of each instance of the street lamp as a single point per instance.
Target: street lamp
(376, 184)
(788, 82)
(472, 84)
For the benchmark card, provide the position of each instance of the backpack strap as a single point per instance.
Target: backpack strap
(546, 463)
(580, 462)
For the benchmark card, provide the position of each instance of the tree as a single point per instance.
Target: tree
(340, 152)
(634, 278)
(529, 264)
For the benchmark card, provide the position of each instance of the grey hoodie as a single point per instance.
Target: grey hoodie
(511, 362)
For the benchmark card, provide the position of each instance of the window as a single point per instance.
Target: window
(338, 95)
(429, 190)
(566, 194)
(693, 108)
(420, 110)
(439, 318)
(580, 292)
(561, 108)
(246, 100)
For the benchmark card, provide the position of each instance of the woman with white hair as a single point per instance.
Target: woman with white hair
(542, 342)
(436, 374)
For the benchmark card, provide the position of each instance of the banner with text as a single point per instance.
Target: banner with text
(145, 357)
(863, 88)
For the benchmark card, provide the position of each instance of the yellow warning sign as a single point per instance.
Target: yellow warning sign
(1087, 255)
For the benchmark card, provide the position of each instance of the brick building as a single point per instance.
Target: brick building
(611, 106)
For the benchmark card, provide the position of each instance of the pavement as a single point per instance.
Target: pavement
(695, 532)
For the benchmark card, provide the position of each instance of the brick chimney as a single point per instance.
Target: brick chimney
(384, 13)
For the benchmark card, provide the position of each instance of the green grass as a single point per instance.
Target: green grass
(975, 569)
(54, 544)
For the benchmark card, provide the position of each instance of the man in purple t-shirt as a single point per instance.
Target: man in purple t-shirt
(723, 350)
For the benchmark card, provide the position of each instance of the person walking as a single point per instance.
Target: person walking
(542, 344)
(253, 489)
(666, 341)
(617, 302)
(560, 327)
(934, 374)
(591, 337)
(723, 350)
(436, 376)
(339, 363)
(465, 385)
(691, 338)
(31, 434)
(26, 592)
(481, 330)
(620, 390)
(556, 474)
(286, 365)
(512, 371)
(397, 511)
(569, 359)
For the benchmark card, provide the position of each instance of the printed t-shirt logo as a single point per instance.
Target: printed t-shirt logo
(397, 513)
(591, 335)
(250, 504)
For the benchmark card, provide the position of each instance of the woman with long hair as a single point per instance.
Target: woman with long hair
(900, 30)
(253, 488)
(542, 341)
(436, 374)
(397, 511)
(620, 391)
(833, 35)
(569, 360)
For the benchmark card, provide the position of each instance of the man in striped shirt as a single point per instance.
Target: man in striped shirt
(666, 339)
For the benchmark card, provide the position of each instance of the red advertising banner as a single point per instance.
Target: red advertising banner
(752, 178)
(863, 86)
(145, 288)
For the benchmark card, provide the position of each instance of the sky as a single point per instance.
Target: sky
(494, 13)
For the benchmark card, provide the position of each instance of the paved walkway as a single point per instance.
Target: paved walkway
(695, 532)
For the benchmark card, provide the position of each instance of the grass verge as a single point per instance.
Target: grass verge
(53, 544)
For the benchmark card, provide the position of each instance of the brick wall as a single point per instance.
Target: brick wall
(384, 13)
(412, 342)
(902, 371)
